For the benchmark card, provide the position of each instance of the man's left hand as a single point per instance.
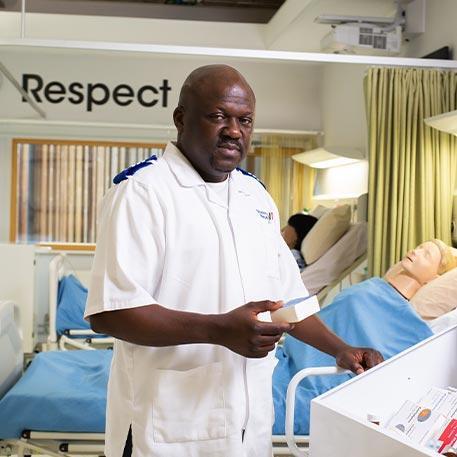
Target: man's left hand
(358, 360)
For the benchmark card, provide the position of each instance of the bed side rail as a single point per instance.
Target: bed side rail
(290, 402)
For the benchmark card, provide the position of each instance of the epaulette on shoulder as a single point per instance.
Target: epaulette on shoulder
(130, 171)
(251, 175)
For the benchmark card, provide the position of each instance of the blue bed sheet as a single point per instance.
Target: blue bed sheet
(369, 314)
(60, 391)
(71, 299)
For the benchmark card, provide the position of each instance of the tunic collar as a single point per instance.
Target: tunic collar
(186, 174)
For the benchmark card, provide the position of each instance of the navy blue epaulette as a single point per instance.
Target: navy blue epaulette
(123, 175)
(245, 172)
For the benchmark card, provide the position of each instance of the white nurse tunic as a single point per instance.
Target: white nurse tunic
(166, 237)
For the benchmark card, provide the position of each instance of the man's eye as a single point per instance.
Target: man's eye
(217, 116)
(246, 121)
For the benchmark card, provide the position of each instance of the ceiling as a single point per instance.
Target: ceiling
(244, 11)
(286, 25)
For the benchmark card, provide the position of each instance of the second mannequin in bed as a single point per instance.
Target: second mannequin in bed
(376, 312)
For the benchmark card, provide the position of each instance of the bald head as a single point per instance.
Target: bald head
(215, 118)
(204, 80)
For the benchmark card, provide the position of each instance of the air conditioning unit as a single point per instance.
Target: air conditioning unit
(361, 38)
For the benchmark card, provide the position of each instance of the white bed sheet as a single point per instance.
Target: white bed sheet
(443, 322)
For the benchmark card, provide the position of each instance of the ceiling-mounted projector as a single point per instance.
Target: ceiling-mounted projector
(372, 35)
(363, 38)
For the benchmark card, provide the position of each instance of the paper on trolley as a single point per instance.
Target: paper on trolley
(416, 422)
(293, 311)
(442, 401)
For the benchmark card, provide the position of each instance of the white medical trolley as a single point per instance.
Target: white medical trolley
(339, 425)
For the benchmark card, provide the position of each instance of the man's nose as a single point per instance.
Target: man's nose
(232, 128)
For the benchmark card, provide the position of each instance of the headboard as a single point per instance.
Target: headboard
(59, 267)
(11, 352)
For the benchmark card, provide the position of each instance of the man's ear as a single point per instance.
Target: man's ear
(178, 118)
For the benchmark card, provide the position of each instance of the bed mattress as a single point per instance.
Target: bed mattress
(60, 392)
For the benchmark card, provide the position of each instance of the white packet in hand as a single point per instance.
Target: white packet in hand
(293, 311)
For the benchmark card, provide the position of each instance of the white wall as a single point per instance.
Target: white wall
(343, 106)
(440, 29)
(345, 182)
(288, 94)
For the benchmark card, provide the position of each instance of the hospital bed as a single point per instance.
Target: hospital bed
(343, 239)
(57, 397)
(346, 256)
(75, 381)
(67, 297)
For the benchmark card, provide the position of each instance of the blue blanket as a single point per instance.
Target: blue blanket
(369, 314)
(71, 299)
(60, 391)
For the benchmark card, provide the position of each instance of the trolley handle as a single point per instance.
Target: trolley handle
(290, 402)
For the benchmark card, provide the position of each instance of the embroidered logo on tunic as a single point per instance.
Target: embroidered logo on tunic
(267, 215)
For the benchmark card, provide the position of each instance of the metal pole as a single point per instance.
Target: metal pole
(13, 81)
(22, 19)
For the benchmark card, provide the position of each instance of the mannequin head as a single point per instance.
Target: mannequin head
(420, 266)
(297, 228)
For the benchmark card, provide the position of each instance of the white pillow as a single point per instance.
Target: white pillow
(340, 256)
(438, 297)
(326, 232)
(319, 211)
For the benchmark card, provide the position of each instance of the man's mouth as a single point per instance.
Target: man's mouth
(229, 146)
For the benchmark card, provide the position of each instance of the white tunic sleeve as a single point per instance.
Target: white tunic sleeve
(129, 253)
(290, 273)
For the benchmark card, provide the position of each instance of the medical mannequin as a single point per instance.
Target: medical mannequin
(375, 313)
(294, 233)
(189, 252)
(420, 266)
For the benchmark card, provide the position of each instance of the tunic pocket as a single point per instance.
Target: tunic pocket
(189, 405)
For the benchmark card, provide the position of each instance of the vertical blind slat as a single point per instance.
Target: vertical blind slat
(60, 187)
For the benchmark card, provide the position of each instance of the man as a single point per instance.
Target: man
(189, 252)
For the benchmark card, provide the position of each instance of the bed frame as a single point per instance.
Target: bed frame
(69, 444)
(59, 266)
(58, 444)
(322, 294)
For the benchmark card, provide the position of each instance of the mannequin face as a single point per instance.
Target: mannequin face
(422, 263)
(290, 236)
(417, 268)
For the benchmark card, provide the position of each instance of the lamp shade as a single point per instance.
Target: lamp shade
(328, 157)
(446, 122)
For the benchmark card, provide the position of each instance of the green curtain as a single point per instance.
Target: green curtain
(289, 183)
(302, 187)
(413, 167)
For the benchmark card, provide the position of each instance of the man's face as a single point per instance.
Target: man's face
(215, 127)
(423, 262)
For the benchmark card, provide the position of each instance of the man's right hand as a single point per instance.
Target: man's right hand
(240, 330)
